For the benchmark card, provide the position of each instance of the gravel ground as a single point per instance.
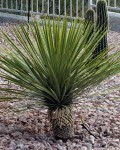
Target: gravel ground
(30, 130)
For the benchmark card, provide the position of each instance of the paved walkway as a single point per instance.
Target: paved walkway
(114, 21)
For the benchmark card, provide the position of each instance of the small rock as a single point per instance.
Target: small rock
(61, 147)
(31, 147)
(11, 121)
(12, 145)
(23, 120)
(84, 148)
(88, 145)
(92, 139)
(114, 144)
(116, 141)
(88, 141)
(20, 146)
(112, 148)
(60, 142)
(16, 134)
(76, 140)
(27, 136)
(106, 132)
(103, 144)
(51, 142)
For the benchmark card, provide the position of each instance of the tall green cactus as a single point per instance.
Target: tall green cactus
(102, 23)
(90, 20)
(90, 15)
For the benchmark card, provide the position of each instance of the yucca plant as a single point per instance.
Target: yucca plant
(52, 63)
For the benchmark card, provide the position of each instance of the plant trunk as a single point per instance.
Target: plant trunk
(62, 122)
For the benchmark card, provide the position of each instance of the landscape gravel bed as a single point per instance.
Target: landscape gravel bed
(100, 109)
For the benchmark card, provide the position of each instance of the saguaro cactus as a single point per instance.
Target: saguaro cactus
(102, 23)
(90, 19)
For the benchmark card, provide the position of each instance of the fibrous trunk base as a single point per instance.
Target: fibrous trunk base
(64, 132)
(62, 122)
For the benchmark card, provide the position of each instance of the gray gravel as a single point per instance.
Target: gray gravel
(31, 130)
